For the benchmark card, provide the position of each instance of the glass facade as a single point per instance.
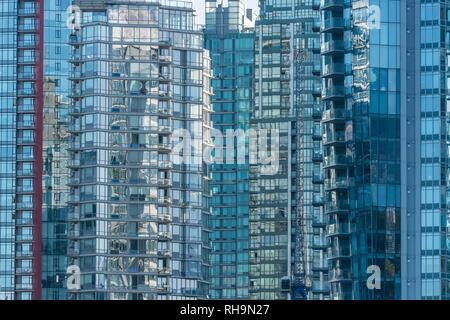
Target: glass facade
(362, 162)
(231, 45)
(56, 140)
(310, 257)
(21, 141)
(139, 221)
(356, 92)
(272, 197)
(8, 125)
(434, 150)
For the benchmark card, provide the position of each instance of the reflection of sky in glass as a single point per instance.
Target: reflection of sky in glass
(199, 6)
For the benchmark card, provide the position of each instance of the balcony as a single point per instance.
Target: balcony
(331, 4)
(20, 270)
(319, 243)
(25, 140)
(165, 200)
(165, 77)
(31, 27)
(26, 60)
(316, 4)
(334, 138)
(24, 173)
(317, 179)
(74, 40)
(164, 236)
(74, 127)
(338, 252)
(317, 156)
(22, 43)
(317, 113)
(164, 59)
(336, 160)
(164, 129)
(26, 108)
(24, 221)
(339, 275)
(26, 75)
(23, 254)
(164, 271)
(24, 157)
(333, 24)
(164, 182)
(337, 229)
(24, 237)
(73, 181)
(74, 215)
(316, 26)
(333, 92)
(317, 133)
(24, 189)
(320, 287)
(336, 207)
(165, 164)
(318, 221)
(27, 11)
(317, 201)
(24, 286)
(333, 114)
(25, 92)
(73, 234)
(165, 253)
(338, 183)
(320, 266)
(332, 47)
(73, 251)
(74, 163)
(333, 70)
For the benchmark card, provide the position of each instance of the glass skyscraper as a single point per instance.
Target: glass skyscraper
(106, 126)
(361, 96)
(21, 103)
(230, 40)
(310, 255)
(384, 65)
(432, 130)
(287, 226)
(139, 221)
(56, 139)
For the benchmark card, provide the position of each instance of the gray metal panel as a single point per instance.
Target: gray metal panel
(410, 150)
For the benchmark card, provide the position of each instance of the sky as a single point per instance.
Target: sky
(199, 6)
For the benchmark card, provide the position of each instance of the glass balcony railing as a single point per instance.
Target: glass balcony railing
(333, 69)
(337, 228)
(332, 24)
(336, 206)
(333, 92)
(331, 46)
(337, 252)
(327, 4)
(334, 137)
(335, 160)
(333, 114)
